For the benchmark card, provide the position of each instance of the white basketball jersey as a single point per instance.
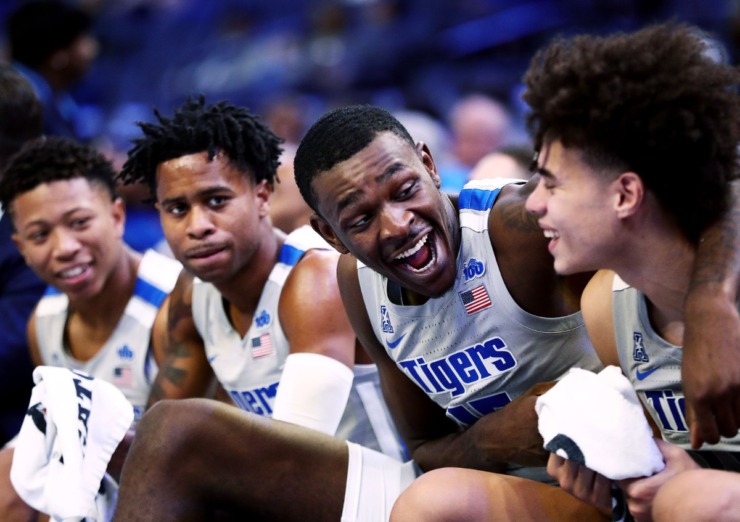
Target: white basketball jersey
(473, 349)
(249, 368)
(654, 367)
(125, 359)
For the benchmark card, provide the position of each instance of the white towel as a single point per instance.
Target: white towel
(73, 426)
(597, 420)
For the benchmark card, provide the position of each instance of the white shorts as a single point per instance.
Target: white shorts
(374, 482)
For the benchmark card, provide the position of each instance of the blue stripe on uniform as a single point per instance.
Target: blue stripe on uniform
(50, 290)
(149, 293)
(462, 415)
(477, 199)
(290, 255)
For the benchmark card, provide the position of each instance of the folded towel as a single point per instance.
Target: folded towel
(597, 420)
(72, 427)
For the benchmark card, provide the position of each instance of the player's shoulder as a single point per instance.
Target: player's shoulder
(307, 252)
(160, 270)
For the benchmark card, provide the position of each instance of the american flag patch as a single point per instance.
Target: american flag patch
(475, 300)
(123, 376)
(261, 345)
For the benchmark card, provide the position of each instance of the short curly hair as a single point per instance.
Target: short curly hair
(45, 160)
(653, 102)
(337, 136)
(248, 143)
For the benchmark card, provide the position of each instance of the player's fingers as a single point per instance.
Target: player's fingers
(702, 424)
(554, 466)
(602, 492)
(724, 415)
(583, 483)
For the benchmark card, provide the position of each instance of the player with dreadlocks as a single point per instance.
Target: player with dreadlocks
(261, 307)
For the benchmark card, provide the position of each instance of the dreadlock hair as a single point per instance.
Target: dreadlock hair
(337, 136)
(45, 160)
(653, 102)
(196, 127)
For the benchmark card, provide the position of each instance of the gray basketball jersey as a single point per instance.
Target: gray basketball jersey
(249, 368)
(473, 349)
(125, 359)
(654, 367)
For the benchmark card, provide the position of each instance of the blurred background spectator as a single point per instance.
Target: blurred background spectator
(291, 60)
(20, 288)
(52, 45)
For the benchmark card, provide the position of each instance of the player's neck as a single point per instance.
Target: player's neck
(107, 306)
(659, 265)
(244, 290)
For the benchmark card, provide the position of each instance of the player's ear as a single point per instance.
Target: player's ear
(324, 230)
(262, 193)
(118, 212)
(422, 149)
(630, 192)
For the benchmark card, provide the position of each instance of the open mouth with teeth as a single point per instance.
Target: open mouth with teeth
(419, 257)
(73, 272)
(551, 234)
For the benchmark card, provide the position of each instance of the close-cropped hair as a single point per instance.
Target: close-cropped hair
(337, 136)
(21, 114)
(654, 102)
(250, 146)
(46, 160)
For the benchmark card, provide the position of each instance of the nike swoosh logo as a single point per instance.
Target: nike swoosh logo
(643, 375)
(393, 344)
(212, 358)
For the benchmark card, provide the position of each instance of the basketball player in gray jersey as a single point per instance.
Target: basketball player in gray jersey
(104, 312)
(361, 158)
(630, 188)
(625, 184)
(263, 312)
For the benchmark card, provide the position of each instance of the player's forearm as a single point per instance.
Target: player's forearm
(509, 435)
(717, 265)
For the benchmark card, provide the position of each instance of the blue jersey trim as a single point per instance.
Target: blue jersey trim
(149, 293)
(477, 199)
(462, 415)
(290, 255)
(50, 290)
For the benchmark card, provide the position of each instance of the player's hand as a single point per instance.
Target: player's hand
(581, 482)
(640, 492)
(710, 371)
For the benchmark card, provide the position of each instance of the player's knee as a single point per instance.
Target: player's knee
(170, 428)
(699, 495)
(12, 507)
(430, 497)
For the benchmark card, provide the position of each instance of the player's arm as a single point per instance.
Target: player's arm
(318, 373)
(33, 343)
(160, 336)
(183, 367)
(597, 311)
(596, 307)
(710, 373)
